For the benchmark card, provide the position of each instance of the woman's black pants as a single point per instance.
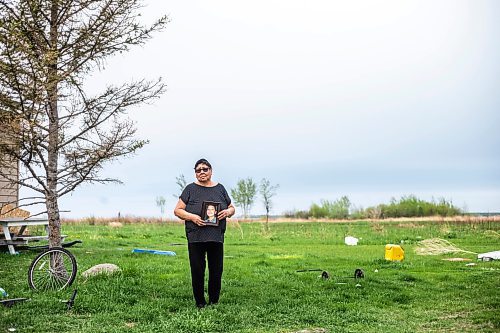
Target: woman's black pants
(214, 252)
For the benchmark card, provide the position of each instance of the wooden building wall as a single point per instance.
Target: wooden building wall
(9, 193)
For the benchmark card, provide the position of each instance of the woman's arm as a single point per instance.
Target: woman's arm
(180, 212)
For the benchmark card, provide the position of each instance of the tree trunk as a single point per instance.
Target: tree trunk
(245, 211)
(54, 221)
(52, 154)
(267, 218)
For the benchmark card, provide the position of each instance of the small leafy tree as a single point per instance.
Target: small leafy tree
(340, 208)
(244, 194)
(267, 191)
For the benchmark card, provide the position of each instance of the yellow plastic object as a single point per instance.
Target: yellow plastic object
(394, 252)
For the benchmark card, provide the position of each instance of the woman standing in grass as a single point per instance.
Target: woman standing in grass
(204, 240)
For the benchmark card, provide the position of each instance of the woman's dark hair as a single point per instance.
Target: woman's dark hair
(203, 161)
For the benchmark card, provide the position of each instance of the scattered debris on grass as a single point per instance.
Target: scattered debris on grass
(437, 246)
(101, 269)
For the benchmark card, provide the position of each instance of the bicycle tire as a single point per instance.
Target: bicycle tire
(43, 275)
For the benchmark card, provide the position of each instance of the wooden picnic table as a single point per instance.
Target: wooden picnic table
(13, 239)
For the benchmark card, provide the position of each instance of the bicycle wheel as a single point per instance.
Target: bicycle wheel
(53, 269)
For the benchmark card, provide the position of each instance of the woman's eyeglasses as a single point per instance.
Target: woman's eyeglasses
(201, 169)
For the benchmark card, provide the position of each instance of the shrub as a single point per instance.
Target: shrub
(338, 209)
(298, 214)
(411, 206)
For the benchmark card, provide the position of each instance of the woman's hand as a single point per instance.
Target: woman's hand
(223, 214)
(197, 220)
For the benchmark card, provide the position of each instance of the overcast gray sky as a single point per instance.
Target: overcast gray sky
(369, 99)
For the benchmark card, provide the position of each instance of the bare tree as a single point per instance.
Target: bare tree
(182, 183)
(267, 191)
(244, 194)
(60, 135)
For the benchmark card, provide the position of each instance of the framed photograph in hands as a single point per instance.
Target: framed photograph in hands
(209, 212)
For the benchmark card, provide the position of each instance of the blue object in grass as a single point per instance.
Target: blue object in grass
(165, 253)
(3, 293)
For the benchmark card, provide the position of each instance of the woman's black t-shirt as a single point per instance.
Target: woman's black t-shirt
(193, 196)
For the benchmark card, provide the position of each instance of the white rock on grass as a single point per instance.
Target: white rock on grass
(115, 224)
(101, 269)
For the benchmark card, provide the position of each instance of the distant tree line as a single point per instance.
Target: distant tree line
(406, 206)
(246, 191)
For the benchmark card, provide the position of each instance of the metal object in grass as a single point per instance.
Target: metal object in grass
(71, 300)
(10, 302)
(358, 273)
(52, 269)
(46, 247)
(324, 274)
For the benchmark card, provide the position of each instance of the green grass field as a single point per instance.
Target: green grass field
(261, 292)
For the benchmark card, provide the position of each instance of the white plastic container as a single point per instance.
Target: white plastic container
(349, 240)
(495, 255)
